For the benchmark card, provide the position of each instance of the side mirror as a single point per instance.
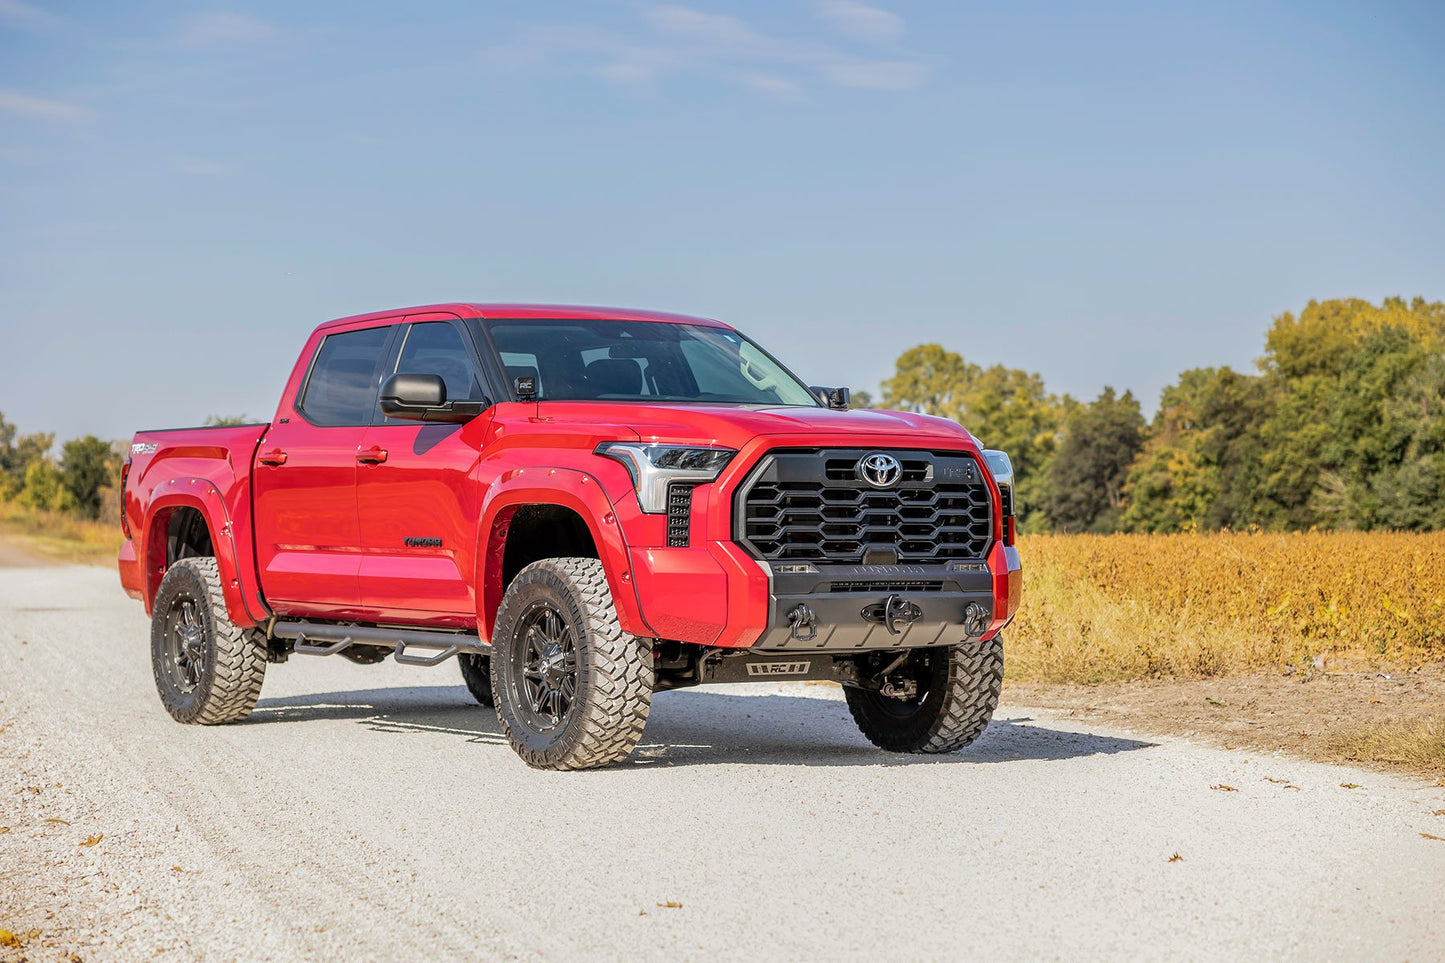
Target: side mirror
(423, 397)
(837, 398)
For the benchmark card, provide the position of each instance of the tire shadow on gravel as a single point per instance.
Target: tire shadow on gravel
(698, 728)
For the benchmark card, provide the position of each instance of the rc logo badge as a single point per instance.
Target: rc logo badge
(881, 470)
(778, 668)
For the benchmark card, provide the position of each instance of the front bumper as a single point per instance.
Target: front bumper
(856, 608)
(715, 595)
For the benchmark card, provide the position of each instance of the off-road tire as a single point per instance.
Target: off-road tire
(232, 659)
(477, 674)
(958, 691)
(614, 672)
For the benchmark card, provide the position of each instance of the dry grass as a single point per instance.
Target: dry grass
(1118, 607)
(1417, 745)
(61, 538)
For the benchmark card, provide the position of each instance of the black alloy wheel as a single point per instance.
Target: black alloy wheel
(548, 665)
(184, 643)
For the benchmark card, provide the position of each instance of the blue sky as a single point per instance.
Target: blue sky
(1103, 193)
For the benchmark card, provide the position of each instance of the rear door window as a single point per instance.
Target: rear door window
(345, 376)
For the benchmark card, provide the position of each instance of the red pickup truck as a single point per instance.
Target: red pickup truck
(584, 506)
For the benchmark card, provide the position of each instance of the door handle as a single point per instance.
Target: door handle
(371, 456)
(273, 457)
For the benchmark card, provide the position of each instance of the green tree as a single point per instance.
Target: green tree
(1348, 442)
(1085, 484)
(1199, 466)
(17, 453)
(860, 399)
(87, 466)
(225, 421)
(930, 381)
(44, 488)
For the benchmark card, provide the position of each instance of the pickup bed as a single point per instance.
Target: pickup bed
(583, 506)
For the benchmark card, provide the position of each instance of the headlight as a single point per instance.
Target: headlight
(654, 467)
(1002, 469)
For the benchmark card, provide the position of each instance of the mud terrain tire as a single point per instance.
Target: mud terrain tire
(477, 674)
(958, 689)
(208, 670)
(572, 689)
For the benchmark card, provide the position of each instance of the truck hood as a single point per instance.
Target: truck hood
(733, 426)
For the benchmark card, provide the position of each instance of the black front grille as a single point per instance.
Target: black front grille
(812, 506)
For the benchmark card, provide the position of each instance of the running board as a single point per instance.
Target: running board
(335, 638)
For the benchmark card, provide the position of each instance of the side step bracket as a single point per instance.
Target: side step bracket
(335, 638)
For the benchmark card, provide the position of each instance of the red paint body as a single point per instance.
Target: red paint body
(306, 521)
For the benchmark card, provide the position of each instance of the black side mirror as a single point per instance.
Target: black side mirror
(837, 398)
(423, 397)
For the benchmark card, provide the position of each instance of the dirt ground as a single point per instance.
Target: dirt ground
(377, 813)
(1307, 714)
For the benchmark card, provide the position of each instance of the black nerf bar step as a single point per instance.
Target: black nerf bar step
(339, 637)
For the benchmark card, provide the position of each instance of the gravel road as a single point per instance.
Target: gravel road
(376, 812)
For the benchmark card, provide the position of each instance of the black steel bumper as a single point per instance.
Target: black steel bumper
(857, 608)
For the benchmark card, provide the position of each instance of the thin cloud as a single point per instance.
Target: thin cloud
(773, 86)
(859, 21)
(674, 40)
(24, 15)
(40, 107)
(713, 28)
(877, 75)
(216, 27)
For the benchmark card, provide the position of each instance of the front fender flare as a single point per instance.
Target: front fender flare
(570, 488)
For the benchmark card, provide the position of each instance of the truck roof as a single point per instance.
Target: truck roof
(522, 312)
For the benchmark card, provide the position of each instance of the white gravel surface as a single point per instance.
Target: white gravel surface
(375, 812)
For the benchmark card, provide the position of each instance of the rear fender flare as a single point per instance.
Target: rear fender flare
(568, 488)
(202, 495)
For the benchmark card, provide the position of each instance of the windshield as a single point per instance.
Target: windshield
(589, 360)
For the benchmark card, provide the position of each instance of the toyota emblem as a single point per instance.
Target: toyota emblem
(880, 470)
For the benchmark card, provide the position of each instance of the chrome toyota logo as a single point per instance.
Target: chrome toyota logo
(880, 470)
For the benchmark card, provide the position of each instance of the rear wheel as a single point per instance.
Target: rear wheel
(477, 673)
(572, 689)
(945, 699)
(208, 670)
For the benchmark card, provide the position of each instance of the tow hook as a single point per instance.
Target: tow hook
(975, 620)
(892, 611)
(803, 619)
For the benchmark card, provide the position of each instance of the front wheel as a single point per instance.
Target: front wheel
(572, 689)
(945, 699)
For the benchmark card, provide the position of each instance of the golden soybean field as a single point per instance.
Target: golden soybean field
(1113, 607)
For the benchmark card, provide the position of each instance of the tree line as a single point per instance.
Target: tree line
(84, 480)
(1341, 427)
